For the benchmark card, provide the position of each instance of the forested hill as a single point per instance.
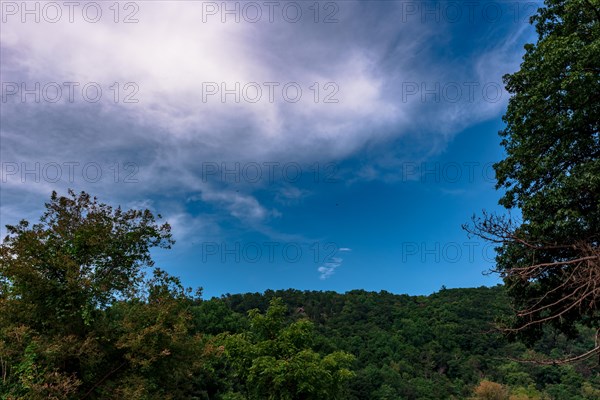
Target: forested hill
(440, 346)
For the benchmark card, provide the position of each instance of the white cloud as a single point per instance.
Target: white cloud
(328, 268)
(171, 55)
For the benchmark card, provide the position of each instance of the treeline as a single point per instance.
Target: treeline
(80, 319)
(290, 344)
(441, 346)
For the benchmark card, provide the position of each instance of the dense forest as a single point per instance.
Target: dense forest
(170, 343)
(440, 346)
(82, 319)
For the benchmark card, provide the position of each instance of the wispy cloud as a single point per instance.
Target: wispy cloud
(328, 268)
(172, 130)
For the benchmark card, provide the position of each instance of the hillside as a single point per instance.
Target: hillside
(418, 347)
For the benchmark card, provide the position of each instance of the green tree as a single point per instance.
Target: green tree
(154, 352)
(275, 360)
(407, 347)
(81, 257)
(78, 318)
(549, 258)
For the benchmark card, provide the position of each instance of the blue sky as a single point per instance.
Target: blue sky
(310, 145)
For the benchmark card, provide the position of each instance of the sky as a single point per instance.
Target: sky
(316, 145)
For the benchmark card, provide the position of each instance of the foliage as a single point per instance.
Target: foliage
(549, 258)
(276, 361)
(79, 319)
(436, 347)
(487, 390)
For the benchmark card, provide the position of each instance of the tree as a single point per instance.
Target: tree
(275, 360)
(429, 347)
(487, 390)
(549, 258)
(81, 257)
(154, 352)
(78, 319)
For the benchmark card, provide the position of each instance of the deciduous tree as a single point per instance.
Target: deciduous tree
(549, 257)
